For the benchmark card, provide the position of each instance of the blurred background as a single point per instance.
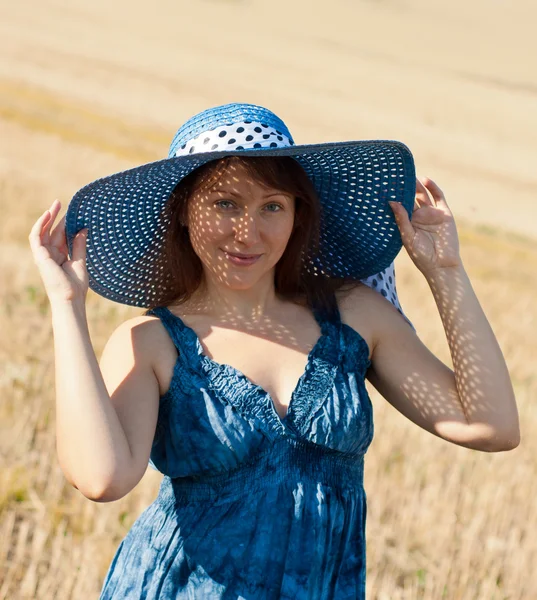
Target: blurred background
(89, 89)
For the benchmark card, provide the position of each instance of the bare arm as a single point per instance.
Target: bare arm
(474, 405)
(90, 441)
(104, 429)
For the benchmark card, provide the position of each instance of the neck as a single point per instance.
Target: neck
(251, 305)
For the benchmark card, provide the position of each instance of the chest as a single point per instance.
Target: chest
(273, 356)
(274, 361)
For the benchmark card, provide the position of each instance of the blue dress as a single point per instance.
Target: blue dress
(254, 506)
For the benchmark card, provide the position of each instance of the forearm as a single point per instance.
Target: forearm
(481, 375)
(91, 444)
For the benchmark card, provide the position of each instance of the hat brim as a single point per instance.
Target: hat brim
(354, 181)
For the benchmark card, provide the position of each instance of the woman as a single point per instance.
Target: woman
(244, 382)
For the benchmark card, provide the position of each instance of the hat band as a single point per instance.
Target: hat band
(247, 135)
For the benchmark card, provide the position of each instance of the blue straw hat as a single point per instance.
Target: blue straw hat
(354, 181)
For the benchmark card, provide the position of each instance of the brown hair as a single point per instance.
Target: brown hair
(291, 279)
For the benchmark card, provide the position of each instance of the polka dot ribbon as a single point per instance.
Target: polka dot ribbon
(247, 135)
(384, 284)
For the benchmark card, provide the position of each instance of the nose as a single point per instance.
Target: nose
(246, 230)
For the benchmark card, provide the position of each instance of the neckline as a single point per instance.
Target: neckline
(216, 371)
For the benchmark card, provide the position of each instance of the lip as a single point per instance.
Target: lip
(242, 260)
(240, 255)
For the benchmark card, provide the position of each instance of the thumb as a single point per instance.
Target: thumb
(403, 222)
(79, 245)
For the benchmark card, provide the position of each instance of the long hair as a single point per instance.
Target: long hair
(180, 269)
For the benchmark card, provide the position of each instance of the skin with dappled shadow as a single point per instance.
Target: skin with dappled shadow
(236, 312)
(240, 320)
(240, 230)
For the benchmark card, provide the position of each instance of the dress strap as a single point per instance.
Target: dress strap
(173, 325)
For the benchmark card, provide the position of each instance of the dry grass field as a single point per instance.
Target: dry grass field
(88, 90)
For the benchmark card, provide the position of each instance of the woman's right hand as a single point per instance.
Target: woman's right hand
(65, 280)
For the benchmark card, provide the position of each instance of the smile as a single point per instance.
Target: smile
(243, 260)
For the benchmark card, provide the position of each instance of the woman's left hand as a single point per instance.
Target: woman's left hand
(430, 238)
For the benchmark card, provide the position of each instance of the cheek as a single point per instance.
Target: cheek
(284, 232)
(206, 232)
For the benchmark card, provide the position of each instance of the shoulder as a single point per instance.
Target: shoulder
(142, 341)
(138, 330)
(143, 336)
(362, 297)
(369, 313)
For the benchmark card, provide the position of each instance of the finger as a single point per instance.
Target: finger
(422, 195)
(79, 246)
(434, 189)
(53, 210)
(57, 236)
(35, 232)
(403, 222)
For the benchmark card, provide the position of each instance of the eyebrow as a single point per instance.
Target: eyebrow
(231, 193)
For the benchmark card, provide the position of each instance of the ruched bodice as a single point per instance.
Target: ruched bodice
(253, 505)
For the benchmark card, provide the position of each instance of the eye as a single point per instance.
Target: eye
(228, 204)
(220, 202)
(278, 207)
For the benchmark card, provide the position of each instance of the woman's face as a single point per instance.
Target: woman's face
(238, 215)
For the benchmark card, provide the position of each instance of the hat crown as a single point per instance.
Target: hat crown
(226, 115)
